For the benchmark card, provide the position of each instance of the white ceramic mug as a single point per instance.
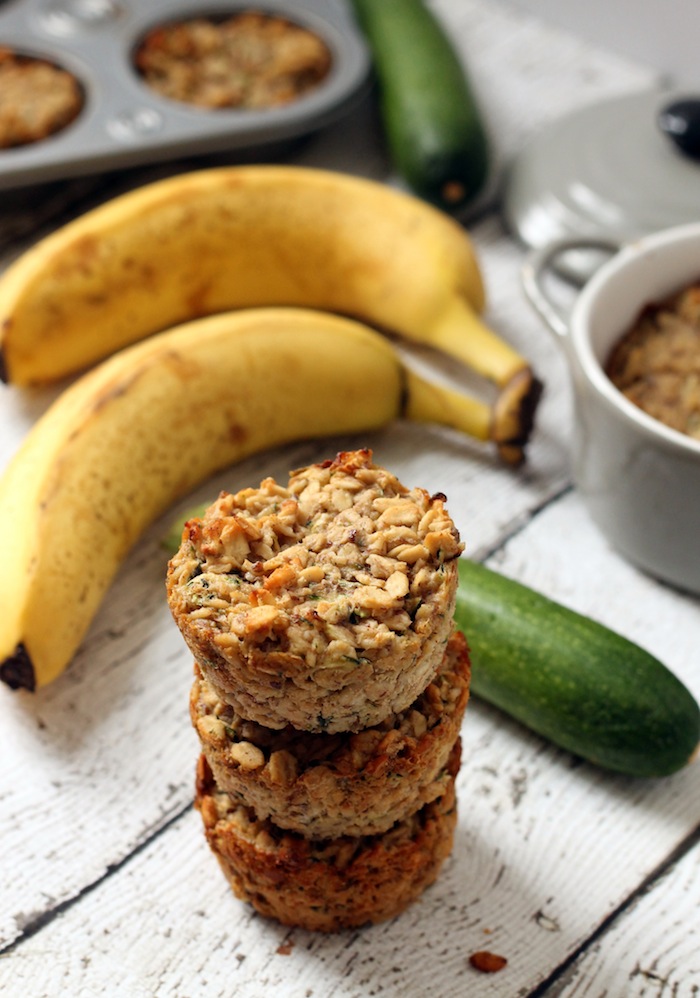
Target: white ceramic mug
(639, 478)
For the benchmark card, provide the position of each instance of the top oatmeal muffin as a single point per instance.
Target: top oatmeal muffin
(325, 604)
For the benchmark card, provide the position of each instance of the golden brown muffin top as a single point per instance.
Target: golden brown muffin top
(339, 561)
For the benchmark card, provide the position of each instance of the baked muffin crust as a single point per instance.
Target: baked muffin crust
(323, 785)
(330, 884)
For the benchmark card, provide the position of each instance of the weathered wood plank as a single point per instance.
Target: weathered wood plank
(651, 950)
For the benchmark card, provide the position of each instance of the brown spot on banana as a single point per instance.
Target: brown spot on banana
(238, 434)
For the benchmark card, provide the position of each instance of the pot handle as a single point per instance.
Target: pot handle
(540, 261)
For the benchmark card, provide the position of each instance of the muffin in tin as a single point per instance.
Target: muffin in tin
(322, 785)
(325, 604)
(249, 60)
(37, 98)
(330, 884)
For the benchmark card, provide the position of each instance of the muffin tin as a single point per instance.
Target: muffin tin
(124, 122)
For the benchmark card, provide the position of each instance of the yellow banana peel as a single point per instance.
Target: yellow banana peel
(146, 426)
(249, 236)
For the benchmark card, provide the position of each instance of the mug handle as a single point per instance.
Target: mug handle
(540, 261)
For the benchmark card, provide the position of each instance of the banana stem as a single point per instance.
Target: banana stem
(513, 415)
(460, 332)
(427, 402)
(508, 423)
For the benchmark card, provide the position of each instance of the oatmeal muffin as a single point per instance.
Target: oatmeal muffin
(325, 604)
(36, 99)
(323, 786)
(249, 60)
(656, 364)
(329, 884)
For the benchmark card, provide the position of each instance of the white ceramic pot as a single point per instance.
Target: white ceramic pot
(639, 478)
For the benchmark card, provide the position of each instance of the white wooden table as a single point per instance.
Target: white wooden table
(588, 883)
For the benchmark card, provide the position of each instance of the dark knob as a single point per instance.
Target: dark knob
(680, 121)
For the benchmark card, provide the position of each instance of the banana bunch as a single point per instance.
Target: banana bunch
(214, 240)
(149, 424)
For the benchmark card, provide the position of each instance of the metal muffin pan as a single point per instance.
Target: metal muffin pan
(124, 122)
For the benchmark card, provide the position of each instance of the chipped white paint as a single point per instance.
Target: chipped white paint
(654, 950)
(107, 886)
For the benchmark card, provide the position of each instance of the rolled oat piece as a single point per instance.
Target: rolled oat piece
(326, 604)
(329, 884)
(322, 785)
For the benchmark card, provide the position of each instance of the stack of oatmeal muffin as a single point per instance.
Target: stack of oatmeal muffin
(329, 689)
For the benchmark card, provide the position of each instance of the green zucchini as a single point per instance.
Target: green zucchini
(432, 124)
(173, 536)
(572, 680)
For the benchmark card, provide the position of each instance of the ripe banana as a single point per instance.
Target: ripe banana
(143, 428)
(237, 237)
